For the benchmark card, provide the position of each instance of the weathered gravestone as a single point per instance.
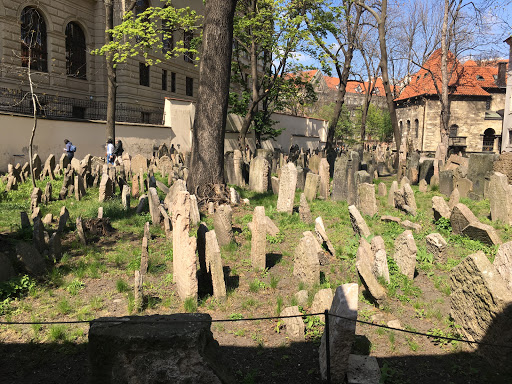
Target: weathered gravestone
(139, 162)
(480, 168)
(222, 224)
(358, 224)
(214, 265)
(184, 248)
(31, 259)
(440, 208)
(258, 238)
(500, 198)
(311, 187)
(365, 260)
(259, 175)
(480, 305)
(106, 188)
(294, 325)
(436, 245)
(177, 349)
(307, 255)
(503, 263)
(323, 172)
(304, 211)
(322, 236)
(287, 184)
(405, 254)
(341, 333)
(366, 201)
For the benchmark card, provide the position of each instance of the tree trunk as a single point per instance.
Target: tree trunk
(254, 88)
(34, 109)
(445, 102)
(111, 73)
(207, 165)
(385, 77)
(364, 115)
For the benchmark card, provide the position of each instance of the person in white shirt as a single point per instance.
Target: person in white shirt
(110, 152)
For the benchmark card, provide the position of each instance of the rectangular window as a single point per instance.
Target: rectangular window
(187, 42)
(487, 105)
(164, 80)
(173, 82)
(78, 112)
(144, 74)
(189, 86)
(144, 117)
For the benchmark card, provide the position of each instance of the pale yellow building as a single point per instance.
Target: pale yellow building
(70, 82)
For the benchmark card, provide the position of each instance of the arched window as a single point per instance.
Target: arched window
(488, 140)
(454, 130)
(76, 59)
(401, 128)
(416, 127)
(33, 40)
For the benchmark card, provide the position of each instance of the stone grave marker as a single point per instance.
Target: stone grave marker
(405, 254)
(341, 332)
(287, 185)
(307, 255)
(184, 248)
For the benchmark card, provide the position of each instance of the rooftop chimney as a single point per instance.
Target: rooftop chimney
(501, 81)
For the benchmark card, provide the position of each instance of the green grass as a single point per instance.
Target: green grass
(190, 305)
(122, 286)
(58, 332)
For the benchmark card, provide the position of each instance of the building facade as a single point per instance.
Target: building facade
(71, 82)
(477, 99)
(506, 140)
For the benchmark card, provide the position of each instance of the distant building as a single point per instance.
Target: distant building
(506, 141)
(72, 83)
(326, 88)
(477, 99)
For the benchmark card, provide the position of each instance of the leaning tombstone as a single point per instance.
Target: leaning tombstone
(214, 265)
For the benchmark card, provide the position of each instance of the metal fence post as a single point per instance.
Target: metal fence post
(327, 346)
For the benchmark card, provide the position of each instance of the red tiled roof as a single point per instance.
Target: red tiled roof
(468, 79)
(332, 82)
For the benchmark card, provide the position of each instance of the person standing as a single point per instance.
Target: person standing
(110, 152)
(69, 148)
(118, 152)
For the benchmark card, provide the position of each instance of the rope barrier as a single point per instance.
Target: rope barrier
(131, 321)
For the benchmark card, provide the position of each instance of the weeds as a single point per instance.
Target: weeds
(190, 305)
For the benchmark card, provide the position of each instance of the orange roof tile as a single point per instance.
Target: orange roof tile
(468, 79)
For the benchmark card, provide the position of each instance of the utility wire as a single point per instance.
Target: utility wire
(131, 321)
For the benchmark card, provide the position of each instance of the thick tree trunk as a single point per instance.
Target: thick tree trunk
(207, 165)
(111, 73)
